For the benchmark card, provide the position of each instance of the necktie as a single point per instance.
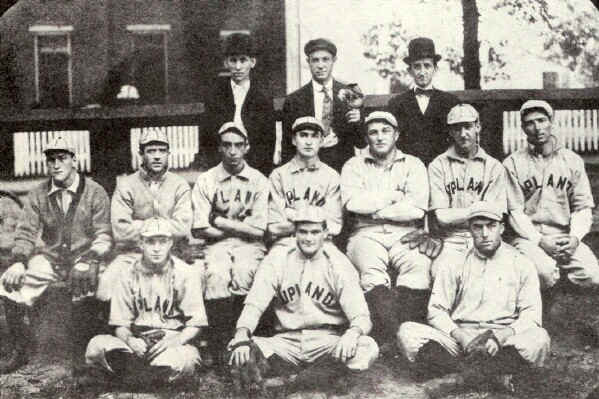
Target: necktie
(327, 111)
(424, 92)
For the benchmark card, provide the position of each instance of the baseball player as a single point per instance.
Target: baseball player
(304, 180)
(157, 310)
(152, 191)
(388, 193)
(230, 212)
(460, 177)
(317, 299)
(486, 308)
(71, 214)
(550, 202)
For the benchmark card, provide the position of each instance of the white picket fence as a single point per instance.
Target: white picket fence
(577, 130)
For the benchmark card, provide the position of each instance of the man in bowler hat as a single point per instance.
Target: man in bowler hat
(421, 112)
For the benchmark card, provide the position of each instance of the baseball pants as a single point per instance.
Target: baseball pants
(182, 359)
(582, 270)
(229, 267)
(307, 346)
(532, 344)
(454, 252)
(108, 279)
(374, 252)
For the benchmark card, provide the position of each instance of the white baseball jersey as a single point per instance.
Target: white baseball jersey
(318, 185)
(308, 293)
(457, 182)
(170, 299)
(243, 196)
(548, 189)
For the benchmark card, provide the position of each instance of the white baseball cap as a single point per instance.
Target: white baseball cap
(381, 116)
(487, 210)
(309, 213)
(462, 113)
(309, 122)
(150, 135)
(156, 227)
(536, 104)
(234, 128)
(59, 144)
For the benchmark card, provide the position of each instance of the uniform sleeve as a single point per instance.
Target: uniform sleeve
(417, 187)
(124, 227)
(259, 215)
(581, 196)
(354, 196)
(528, 303)
(182, 215)
(191, 301)
(122, 308)
(27, 229)
(261, 294)
(276, 199)
(439, 197)
(351, 296)
(201, 202)
(443, 296)
(515, 195)
(332, 207)
(101, 222)
(496, 191)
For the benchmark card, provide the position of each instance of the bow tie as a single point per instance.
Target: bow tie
(424, 92)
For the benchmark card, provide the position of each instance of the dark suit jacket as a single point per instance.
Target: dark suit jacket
(257, 114)
(424, 136)
(301, 103)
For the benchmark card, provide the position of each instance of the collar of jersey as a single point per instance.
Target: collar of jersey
(479, 255)
(222, 174)
(72, 188)
(556, 147)
(297, 166)
(399, 156)
(480, 154)
(148, 272)
(143, 173)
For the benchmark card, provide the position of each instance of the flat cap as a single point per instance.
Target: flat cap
(307, 122)
(486, 209)
(462, 113)
(154, 227)
(381, 116)
(536, 104)
(233, 128)
(310, 214)
(153, 135)
(59, 144)
(239, 44)
(320, 44)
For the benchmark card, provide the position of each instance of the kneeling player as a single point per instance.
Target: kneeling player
(320, 308)
(486, 308)
(157, 310)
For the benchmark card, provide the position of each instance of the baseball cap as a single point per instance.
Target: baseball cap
(233, 127)
(307, 122)
(320, 44)
(156, 227)
(487, 210)
(462, 113)
(309, 213)
(150, 135)
(382, 116)
(536, 104)
(59, 144)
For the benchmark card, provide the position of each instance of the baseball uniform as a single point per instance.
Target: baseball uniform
(374, 245)
(231, 262)
(137, 198)
(458, 182)
(482, 293)
(167, 300)
(314, 299)
(551, 191)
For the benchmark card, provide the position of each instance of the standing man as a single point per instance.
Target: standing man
(230, 212)
(157, 310)
(422, 110)
(460, 177)
(304, 180)
(486, 308)
(387, 191)
(320, 308)
(152, 191)
(320, 98)
(241, 100)
(550, 203)
(71, 214)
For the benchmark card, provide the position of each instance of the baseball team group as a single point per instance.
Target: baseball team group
(389, 234)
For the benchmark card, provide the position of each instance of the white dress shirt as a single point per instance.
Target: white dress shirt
(423, 99)
(240, 91)
(319, 96)
(65, 197)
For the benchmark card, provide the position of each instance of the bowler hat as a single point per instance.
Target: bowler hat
(419, 48)
(239, 44)
(320, 44)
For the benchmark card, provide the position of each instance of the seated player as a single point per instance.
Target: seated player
(71, 214)
(550, 203)
(320, 308)
(387, 193)
(304, 180)
(157, 310)
(230, 204)
(495, 291)
(460, 177)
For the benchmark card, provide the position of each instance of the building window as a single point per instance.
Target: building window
(149, 62)
(53, 65)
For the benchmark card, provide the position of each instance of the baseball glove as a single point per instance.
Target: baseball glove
(150, 337)
(83, 279)
(477, 346)
(427, 244)
(248, 378)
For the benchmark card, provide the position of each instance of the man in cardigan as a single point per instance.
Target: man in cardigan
(320, 98)
(422, 111)
(239, 99)
(72, 213)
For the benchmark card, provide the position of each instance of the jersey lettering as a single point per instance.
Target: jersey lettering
(558, 183)
(315, 292)
(311, 197)
(474, 186)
